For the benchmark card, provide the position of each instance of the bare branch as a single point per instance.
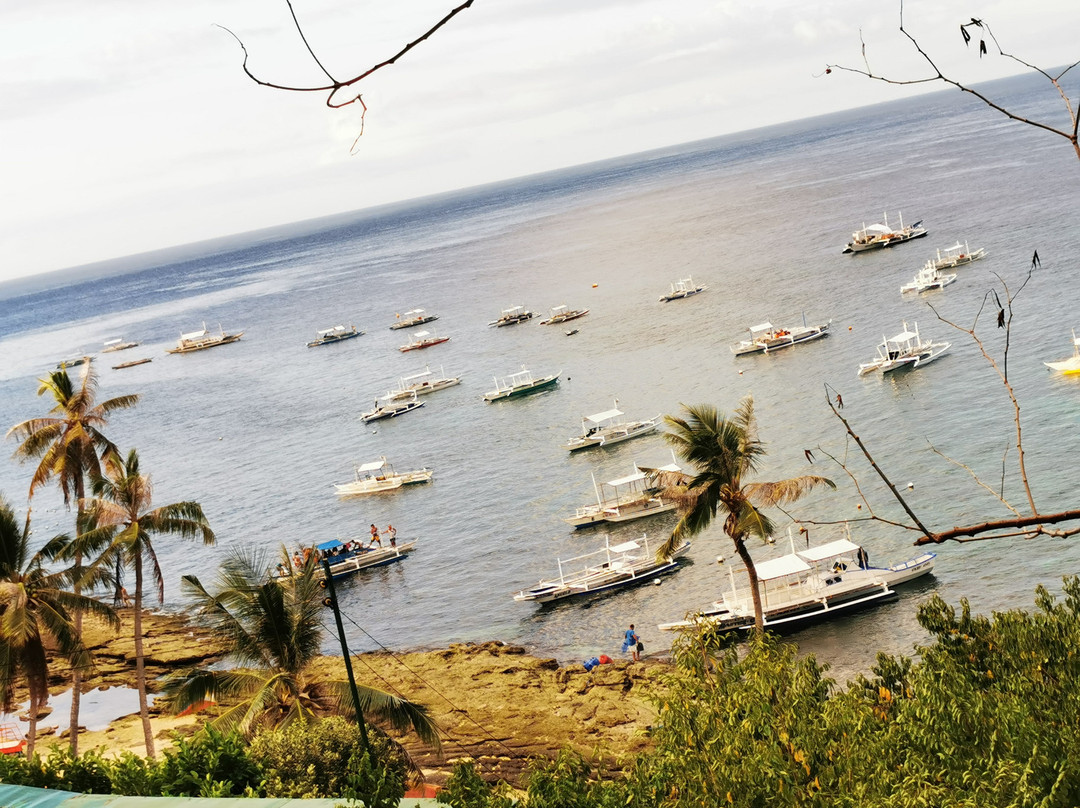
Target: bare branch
(976, 478)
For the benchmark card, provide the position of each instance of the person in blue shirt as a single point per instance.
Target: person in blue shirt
(632, 643)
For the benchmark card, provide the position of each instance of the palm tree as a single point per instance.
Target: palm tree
(72, 447)
(36, 611)
(120, 524)
(724, 451)
(273, 626)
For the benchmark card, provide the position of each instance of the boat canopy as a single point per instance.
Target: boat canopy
(374, 466)
(625, 547)
(421, 334)
(414, 313)
(757, 329)
(337, 329)
(781, 567)
(631, 478)
(830, 550)
(329, 545)
(195, 334)
(606, 415)
(903, 337)
(116, 341)
(425, 372)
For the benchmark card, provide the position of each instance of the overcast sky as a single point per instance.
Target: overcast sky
(128, 125)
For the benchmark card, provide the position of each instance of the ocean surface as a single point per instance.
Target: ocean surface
(259, 431)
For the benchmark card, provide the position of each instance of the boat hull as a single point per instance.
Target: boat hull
(390, 412)
(414, 322)
(202, 346)
(524, 390)
(368, 559)
(416, 346)
(564, 318)
(592, 441)
(335, 339)
(796, 337)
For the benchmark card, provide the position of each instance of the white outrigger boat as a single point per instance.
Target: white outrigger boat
(512, 316)
(339, 333)
(928, 279)
(423, 339)
(1072, 364)
(906, 350)
(520, 384)
(957, 255)
(767, 337)
(562, 314)
(422, 383)
(379, 476)
(392, 405)
(808, 585)
(877, 236)
(604, 429)
(201, 340)
(611, 567)
(634, 496)
(117, 344)
(411, 318)
(682, 288)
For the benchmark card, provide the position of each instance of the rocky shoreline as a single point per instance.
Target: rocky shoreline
(496, 704)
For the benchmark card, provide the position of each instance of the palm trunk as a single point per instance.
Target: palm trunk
(755, 591)
(140, 666)
(31, 729)
(76, 673)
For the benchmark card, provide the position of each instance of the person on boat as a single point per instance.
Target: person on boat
(374, 536)
(297, 561)
(631, 642)
(863, 558)
(391, 531)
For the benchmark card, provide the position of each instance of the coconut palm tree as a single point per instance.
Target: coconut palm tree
(274, 627)
(120, 524)
(36, 608)
(724, 451)
(72, 448)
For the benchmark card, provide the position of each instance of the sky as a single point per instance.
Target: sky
(128, 126)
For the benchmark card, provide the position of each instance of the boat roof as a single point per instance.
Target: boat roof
(625, 547)
(419, 334)
(603, 416)
(903, 337)
(329, 545)
(373, 466)
(559, 309)
(332, 330)
(878, 228)
(762, 327)
(195, 334)
(833, 548)
(780, 567)
(416, 312)
(116, 341)
(422, 373)
(630, 478)
(513, 309)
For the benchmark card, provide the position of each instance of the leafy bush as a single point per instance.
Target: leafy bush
(208, 761)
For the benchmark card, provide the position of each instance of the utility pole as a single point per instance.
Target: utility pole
(333, 604)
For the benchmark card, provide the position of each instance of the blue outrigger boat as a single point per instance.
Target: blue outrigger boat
(344, 561)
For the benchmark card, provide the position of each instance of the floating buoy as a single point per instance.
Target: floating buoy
(595, 285)
(911, 485)
(849, 328)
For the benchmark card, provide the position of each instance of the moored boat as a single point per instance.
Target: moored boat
(878, 236)
(379, 476)
(562, 314)
(424, 382)
(611, 567)
(605, 429)
(520, 384)
(411, 318)
(766, 337)
(907, 350)
(957, 255)
(423, 339)
(625, 499)
(512, 316)
(74, 362)
(928, 279)
(203, 339)
(131, 364)
(117, 344)
(806, 586)
(339, 333)
(681, 289)
(391, 405)
(347, 558)
(1071, 365)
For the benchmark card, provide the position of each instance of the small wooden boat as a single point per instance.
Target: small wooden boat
(611, 567)
(339, 333)
(379, 476)
(878, 236)
(424, 382)
(766, 337)
(203, 339)
(411, 318)
(348, 558)
(606, 429)
(957, 256)
(74, 362)
(117, 345)
(423, 339)
(131, 364)
(12, 741)
(520, 384)
(682, 289)
(392, 405)
(562, 314)
(634, 496)
(512, 316)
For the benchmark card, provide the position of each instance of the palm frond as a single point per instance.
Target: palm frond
(783, 492)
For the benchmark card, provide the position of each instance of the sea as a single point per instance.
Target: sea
(259, 431)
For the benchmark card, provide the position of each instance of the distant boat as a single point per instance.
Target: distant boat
(520, 384)
(423, 339)
(512, 316)
(958, 255)
(131, 364)
(906, 350)
(411, 318)
(928, 279)
(201, 340)
(424, 382)
(877, 236)
(392, 405)
(338, 333)
(767, 337)
(634, 496)
(571, 332)
(606, 429)
(378, 476)
(562, 314)
(347, 558)
(681, 289)
(1072, 364)
(74, 362)
(117, 345)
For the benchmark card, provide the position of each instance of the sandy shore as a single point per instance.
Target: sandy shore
(494, 702)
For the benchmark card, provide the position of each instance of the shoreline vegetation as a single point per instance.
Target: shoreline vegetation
(496, 704)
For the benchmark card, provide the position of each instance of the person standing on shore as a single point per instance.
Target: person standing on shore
(633, 643)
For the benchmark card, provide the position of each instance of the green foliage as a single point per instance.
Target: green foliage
(467, 789)
(208, 763)
(316, 759)
(570, 781)
(373, 785)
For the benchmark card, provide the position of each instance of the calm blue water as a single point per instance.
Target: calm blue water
(259, 431)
